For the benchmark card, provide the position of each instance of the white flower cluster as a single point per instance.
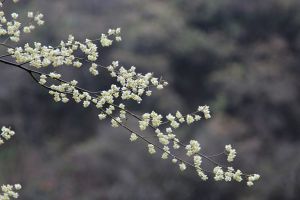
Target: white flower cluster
(106, 42)
(6, 134)
(151, 149)
(231, 153)
(133, 137)
(182, 166)
(12, 29)
(153, 118)
(40, 55)
(228, 175)
(10, 191)
(252, 178)
(205, 110)
(232, 174)
(178, 119)
(193, 148)
(172, 120)
(200, 172)
(105, 97)
(134, 85)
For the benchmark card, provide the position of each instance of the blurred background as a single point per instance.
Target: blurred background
(240, 57)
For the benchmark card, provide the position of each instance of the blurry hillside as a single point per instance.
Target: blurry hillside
(240, 57)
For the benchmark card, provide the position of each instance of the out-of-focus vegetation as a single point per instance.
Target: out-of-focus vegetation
(240, 57)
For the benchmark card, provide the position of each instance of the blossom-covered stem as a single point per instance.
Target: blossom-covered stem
(184, 116)
(180, 143)
(106, 68)
(32, 72)
(209, 158)
(149, 142)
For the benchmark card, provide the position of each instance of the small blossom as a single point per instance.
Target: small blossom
(182, 166)
(30, 14)
(219, 173)
(252, 178)
(102, 116)
(133, 137)
(189, 119)
(151, 149)
(231, 153)
(193, 147)
(6, 133)
(105, 42)
(43, 79)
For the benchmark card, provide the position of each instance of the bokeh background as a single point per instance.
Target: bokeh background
(240, 57)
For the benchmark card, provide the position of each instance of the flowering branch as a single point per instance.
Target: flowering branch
(129, 86)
